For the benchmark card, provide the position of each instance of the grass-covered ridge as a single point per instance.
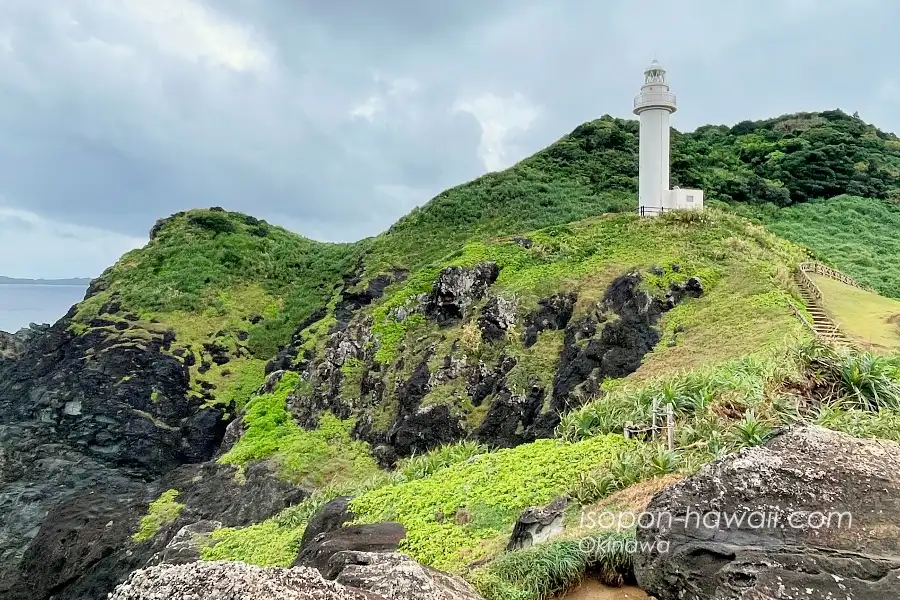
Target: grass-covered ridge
(226, 284)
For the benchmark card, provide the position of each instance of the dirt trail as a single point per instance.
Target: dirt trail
(592, 590)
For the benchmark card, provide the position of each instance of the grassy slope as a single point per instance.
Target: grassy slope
(872, 319)
(860, 236)
(207, 275)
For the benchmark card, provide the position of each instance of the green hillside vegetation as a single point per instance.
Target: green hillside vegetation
(859, 236)
(218, 278)
(872, 320)
(735, 362)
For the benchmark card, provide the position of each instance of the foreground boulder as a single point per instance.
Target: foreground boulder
(231, 581)
(357, 576)
(812, 514)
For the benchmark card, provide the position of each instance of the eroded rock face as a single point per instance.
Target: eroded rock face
(537, 525)
(552, 313)
(611, 342)
(818, 519)
(84, 545)
(455, 291)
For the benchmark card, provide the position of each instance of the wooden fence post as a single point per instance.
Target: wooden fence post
(654, 430)
(670, 426)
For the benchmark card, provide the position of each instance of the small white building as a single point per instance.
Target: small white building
(653, 106)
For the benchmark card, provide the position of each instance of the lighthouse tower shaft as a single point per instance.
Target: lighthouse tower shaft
(654, 105)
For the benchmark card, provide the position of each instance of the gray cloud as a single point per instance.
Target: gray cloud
(336, 118)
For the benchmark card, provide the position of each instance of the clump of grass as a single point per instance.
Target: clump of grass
(418, 467)
(859, 379)
(162, 511)
(551, 569)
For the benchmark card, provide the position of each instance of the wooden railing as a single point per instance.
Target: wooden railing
(805, 281)
(819, 268)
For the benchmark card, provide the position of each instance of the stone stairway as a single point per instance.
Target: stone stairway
(822, 325)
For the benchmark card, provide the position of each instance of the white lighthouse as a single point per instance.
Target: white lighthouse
(654, 105)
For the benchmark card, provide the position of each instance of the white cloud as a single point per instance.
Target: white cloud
(187, 30)
(394, 93)
(499, 118)
(32, 246)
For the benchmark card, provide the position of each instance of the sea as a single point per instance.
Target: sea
(21, 304)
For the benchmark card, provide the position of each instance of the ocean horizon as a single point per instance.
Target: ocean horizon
(21, 304)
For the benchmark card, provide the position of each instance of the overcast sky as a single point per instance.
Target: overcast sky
(336, 118)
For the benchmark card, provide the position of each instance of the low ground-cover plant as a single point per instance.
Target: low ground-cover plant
(319, 457)
(450, 515)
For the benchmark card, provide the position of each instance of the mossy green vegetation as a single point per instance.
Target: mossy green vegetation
(452, 516)
(162, 511)
(746, 273)
(856, 235)
(324, 456)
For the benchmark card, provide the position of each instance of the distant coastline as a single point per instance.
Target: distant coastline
(79, 281)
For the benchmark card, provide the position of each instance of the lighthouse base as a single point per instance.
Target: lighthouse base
(677, 199)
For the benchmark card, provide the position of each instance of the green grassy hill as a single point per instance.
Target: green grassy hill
(523, 319)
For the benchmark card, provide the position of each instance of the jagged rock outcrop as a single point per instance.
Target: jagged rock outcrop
(611, 342)
(187, 544)
(455, 291)
(537, 525)
(84, 545)
(232, 581)
(811, 514)
(552, 313)
(13, 345)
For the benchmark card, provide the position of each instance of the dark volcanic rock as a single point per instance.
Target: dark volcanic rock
(537, 525)
(510, 419)
(377, 537)
(330, 517)
(84, 545)
(628, 332)
(497, 317)
(428, 427)
(455, 291)
(90, 412)
(812, 514)
(397, 577)
(552, 313)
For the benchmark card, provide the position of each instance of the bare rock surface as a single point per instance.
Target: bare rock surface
(356, 576)
(231, 581)
(811, 514)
